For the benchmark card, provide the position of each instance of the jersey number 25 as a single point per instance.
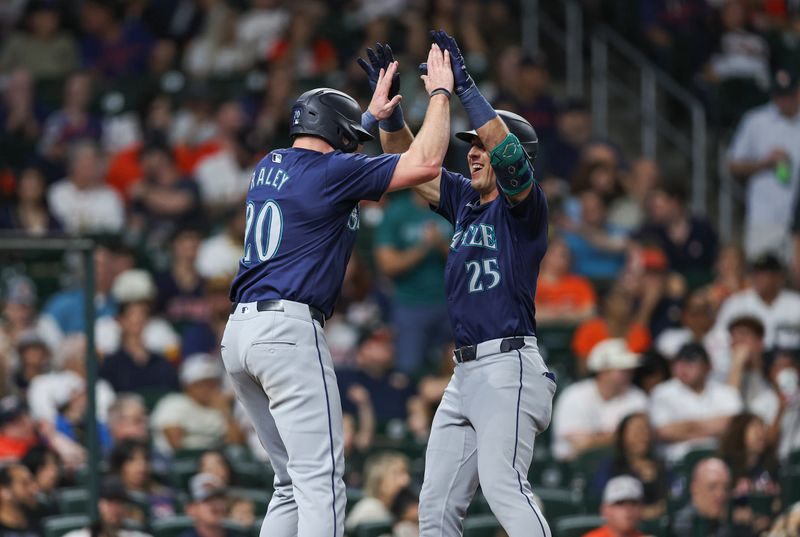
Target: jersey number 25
(478, 273)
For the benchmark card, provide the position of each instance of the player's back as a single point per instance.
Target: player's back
(301, 222)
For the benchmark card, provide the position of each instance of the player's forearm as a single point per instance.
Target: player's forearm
(398, 141)
(430, 145)
(745, 168)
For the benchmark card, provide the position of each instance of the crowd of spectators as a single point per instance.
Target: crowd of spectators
(138, 123)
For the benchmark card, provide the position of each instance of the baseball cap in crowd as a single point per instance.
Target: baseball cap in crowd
(20, 290)
(199, 367)
(783, 82)
(134, 285)
(11, 408)
(112, 489)
(768, 262)
(31, 338)
(623, 488)
(693, 352)
(205, 486)
(612, 354)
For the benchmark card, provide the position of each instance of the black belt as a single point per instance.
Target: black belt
(277, 305)
(468, 353)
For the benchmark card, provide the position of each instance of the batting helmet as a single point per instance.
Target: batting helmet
(519, 127)
(331, 115)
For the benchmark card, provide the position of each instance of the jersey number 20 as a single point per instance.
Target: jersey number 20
(266, 237)
(479, 271)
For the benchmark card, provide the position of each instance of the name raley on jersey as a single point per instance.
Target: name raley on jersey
(265, 178)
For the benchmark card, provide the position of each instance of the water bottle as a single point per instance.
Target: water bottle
(783, 171)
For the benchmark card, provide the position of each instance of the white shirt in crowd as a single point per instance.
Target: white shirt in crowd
(219, 257)
(742, 55)
(790, 430)
(86, 532)
(759, 397)
(49, 391)
(221, 180)
(769, 202)
(581, 409)
(93, 210)
(205, 430)
(674, 402)
(781, 319)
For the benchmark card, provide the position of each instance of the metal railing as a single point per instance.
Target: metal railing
(24, 244)
(653, 126)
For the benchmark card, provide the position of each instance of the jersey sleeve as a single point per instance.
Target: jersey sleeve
(530, 212)
(354, 177)
(454, 192)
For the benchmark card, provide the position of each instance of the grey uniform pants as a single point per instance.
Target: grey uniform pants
(483, 431)
(283, 375)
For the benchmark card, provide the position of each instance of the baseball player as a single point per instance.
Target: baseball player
(500, 395)
(301, 222)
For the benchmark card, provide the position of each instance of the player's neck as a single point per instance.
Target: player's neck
(488, 197)
(312, 143)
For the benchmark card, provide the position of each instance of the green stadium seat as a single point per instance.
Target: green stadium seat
(72, 501)
(481, 526)
(479, 505)
(373, 529)
(790, 484)
(182, 471)
(170, 527)
(560, 502)
(577, 526)
(548, 472)
(251, 473)
(259, 497)
(794, 458)
(151, 398)
(585, 466)
(354, 496)
(56, 526)
(658, 527)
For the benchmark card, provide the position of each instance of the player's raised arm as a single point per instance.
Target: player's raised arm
(395, 136)
(422, 161)
(509, 159)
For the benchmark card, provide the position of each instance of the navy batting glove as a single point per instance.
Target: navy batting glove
(380, 58)
(462, 81)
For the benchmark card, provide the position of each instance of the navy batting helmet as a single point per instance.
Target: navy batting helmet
(519, 127)
(331, 115)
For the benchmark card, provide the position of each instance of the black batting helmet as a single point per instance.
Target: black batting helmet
(519, 127)
(331, 115)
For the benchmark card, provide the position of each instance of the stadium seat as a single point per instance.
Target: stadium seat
(373, 529)
(548, 472)
(354, 495)
(259, 497)
(658, 527)
(586, 464)
(479, 505)
(56, 526)
(72, 501)
(171, 527)
(790, 484)
(481, 526)
(182, 471)
(253, 474)
(560, 502)
(577, 526)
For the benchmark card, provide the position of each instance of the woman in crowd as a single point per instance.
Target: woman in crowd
(386, 475)
(131, 462)
(634, 454)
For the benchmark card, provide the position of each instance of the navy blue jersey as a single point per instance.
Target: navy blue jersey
(493, 264)
(301, 222)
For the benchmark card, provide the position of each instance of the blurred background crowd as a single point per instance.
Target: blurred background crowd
(138, 123)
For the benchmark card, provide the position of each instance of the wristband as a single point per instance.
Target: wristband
(368, 121)
(441, 91)
(394, 122)
(478, 109)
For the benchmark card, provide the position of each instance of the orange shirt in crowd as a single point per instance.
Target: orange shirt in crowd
(570, 290)
(595, 330)
(124, 169)
(605, 531)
